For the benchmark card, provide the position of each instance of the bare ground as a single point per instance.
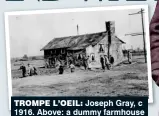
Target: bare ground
(123, 80)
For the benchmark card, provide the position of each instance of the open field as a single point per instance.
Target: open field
(123, 80)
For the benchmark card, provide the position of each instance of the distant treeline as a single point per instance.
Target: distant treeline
(134, 52)
(27, 58)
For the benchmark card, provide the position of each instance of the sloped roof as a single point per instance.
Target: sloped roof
(120, 40)
(76, 42)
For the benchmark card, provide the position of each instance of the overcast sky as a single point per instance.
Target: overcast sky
(30, 33)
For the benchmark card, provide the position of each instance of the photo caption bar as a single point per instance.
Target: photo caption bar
(75, 106)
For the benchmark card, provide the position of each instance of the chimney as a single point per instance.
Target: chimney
(77, 30)
(110, 25)
(110, 29)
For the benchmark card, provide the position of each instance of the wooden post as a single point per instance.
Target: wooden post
(143, 31)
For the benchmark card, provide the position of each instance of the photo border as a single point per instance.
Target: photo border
(126, 7)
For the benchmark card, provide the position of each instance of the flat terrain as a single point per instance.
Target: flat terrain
(123, 80)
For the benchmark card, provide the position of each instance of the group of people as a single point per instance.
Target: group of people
(71, 65)
(60, 66)
(31, 70)
(105, 62)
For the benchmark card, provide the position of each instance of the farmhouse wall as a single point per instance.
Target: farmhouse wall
(115, 52)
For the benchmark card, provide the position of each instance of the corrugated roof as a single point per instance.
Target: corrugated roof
(76, 42)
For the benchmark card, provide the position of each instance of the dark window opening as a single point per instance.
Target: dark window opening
(92, 57)
(79, 57)
(54, 51)
(62, 51)
(101, 47)
(111, 59)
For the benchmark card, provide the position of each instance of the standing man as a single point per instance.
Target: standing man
(107, 63)
(23, 68)
(47, 64)
(31, 70)
(154, 41)
(129, 57)
(102, 62)
(61, 68)
(72, 67)
(85, 62)
(35, 71)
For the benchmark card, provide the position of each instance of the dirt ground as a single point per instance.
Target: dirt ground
(122, 80)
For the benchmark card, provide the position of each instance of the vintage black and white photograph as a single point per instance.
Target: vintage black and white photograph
(79, 52)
